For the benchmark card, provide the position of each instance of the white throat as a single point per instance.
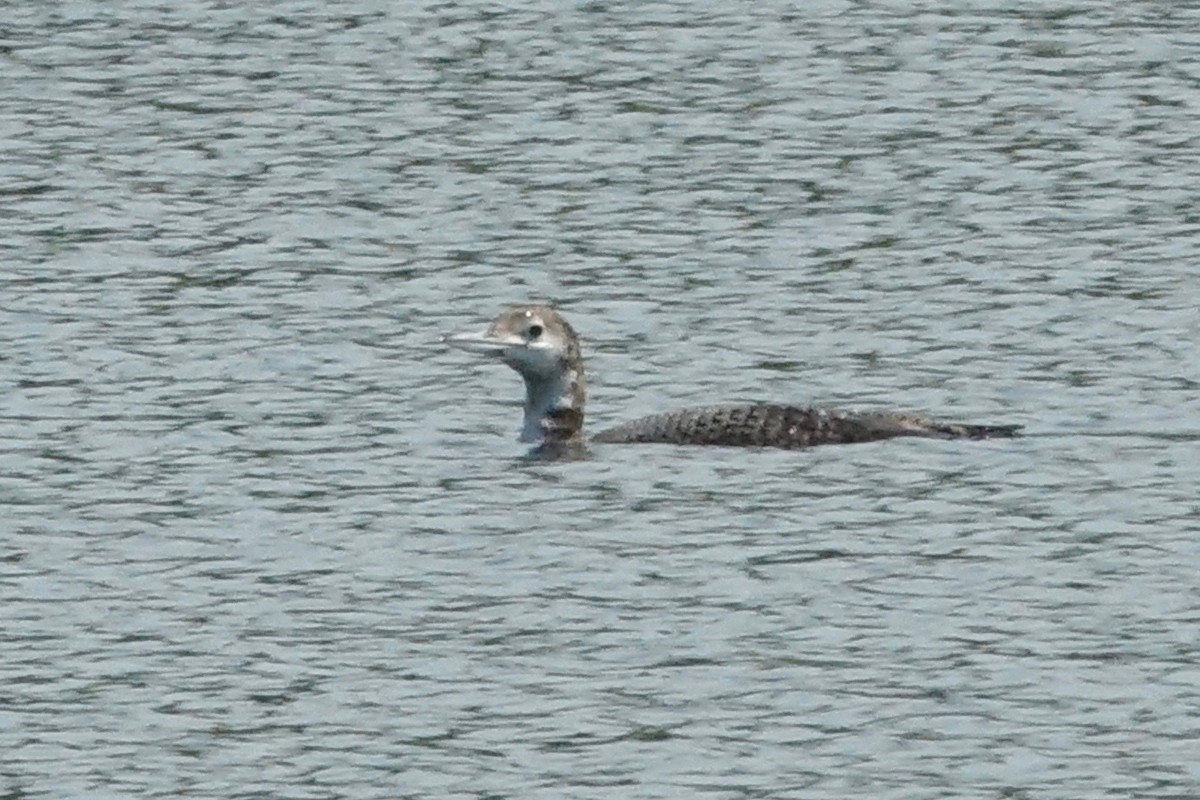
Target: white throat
(545, 395)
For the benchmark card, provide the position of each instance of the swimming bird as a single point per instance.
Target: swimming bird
(543, 348)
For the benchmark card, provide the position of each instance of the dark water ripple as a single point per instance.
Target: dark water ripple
(263, 537)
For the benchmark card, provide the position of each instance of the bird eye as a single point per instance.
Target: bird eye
(534, 331)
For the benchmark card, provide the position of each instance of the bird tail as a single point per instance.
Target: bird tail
(980, 431)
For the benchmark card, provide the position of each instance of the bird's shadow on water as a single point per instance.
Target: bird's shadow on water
(555, 452)
(569, 452)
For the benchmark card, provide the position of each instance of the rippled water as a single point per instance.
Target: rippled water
(263, 537)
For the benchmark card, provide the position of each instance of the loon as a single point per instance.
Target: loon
(543, 348)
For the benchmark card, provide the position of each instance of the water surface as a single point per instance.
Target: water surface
(262, 536)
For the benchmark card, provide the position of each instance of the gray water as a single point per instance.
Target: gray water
(263, 536)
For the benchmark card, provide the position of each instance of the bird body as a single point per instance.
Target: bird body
(544, 349)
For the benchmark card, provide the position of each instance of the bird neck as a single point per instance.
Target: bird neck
(554, 406)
